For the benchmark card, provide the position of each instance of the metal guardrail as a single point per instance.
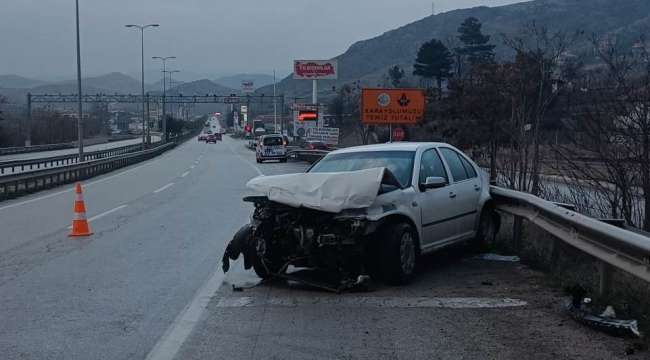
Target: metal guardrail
(28, 182)
(35, 148)
(626, 250)
(10, 166)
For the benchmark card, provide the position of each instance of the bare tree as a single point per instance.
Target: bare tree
(546, 69)
(609, 147)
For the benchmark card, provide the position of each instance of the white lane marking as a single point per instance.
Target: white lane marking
(196, 162)
(98, 181)
(192, 167)
(169, 344)
(259, 172)
(104, 214)
(372, 302)
(185, 174)
(163, 188)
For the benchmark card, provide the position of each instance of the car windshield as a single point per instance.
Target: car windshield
(400, 163)
(275, 140)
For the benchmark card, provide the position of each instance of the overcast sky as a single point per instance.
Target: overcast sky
(37, 37)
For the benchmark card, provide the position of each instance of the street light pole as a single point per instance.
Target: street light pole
(80, 119)
(164, 116)
(179, 83)
(144, 144)
(171, 105)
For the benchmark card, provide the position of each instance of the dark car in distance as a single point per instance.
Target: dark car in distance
(314, 145)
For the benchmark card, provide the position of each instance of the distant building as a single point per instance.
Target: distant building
(120, 119)
(566, 58)
(639, 51)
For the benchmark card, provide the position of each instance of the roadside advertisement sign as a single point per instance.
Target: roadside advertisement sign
(236, 117)
(315, 69)
(300, 128)
(244, 109)
(392, 106)
(329, 136)
(304, 107)
(248, 86)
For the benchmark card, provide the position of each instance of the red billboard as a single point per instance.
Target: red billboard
(315, 69)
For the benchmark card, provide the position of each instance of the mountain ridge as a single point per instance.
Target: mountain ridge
(367, 60)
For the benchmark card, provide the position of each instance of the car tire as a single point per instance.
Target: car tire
(397, 253)
(264, 272)
(488, 227)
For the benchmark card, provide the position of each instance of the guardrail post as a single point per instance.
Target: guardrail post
(606, 280)
(516, 233)
(606, 270)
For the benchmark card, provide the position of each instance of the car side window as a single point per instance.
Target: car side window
(455, 165)
(471, 172)
(431, 166)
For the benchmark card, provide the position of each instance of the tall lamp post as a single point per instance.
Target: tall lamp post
(164, 116)
(171, 105)
(144, 143)
(178, 83)
(80, 119)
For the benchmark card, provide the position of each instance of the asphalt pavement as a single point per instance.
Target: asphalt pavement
(148, 282)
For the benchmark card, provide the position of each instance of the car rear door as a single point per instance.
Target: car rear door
(438, 206)
(468, 190)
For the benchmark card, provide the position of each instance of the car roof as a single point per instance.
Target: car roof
(396, 146)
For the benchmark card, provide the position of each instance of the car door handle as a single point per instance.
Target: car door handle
(452, 195)
(476, 187)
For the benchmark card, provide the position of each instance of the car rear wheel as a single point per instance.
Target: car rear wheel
(398, 253)
(488, 226)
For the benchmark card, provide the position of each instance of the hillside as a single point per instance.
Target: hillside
(114, 82)
(19, 95)
(369, 59)
(234, 81)
(202, 87)
(19, 82)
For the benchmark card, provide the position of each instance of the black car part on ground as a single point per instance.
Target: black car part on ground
(575, 306)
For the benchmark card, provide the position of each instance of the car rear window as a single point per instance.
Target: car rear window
(275, 140)
(318, 143)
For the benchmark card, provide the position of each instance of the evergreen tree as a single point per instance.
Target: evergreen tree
(474, 44)
(434, 62)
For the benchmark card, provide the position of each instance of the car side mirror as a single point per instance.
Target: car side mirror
(434, 182)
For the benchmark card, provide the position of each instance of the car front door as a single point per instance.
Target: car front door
(468, 187)
(437, 206)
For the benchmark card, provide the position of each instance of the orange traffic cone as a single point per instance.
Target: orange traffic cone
(79, 223)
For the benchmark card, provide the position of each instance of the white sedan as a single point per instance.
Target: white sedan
(388, 203)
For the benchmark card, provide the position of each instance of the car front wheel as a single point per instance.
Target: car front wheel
(398, 253)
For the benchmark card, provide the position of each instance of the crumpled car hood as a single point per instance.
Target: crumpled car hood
(329, 192)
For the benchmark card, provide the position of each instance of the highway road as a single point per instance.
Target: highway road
(148, 283)
(105, 146)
